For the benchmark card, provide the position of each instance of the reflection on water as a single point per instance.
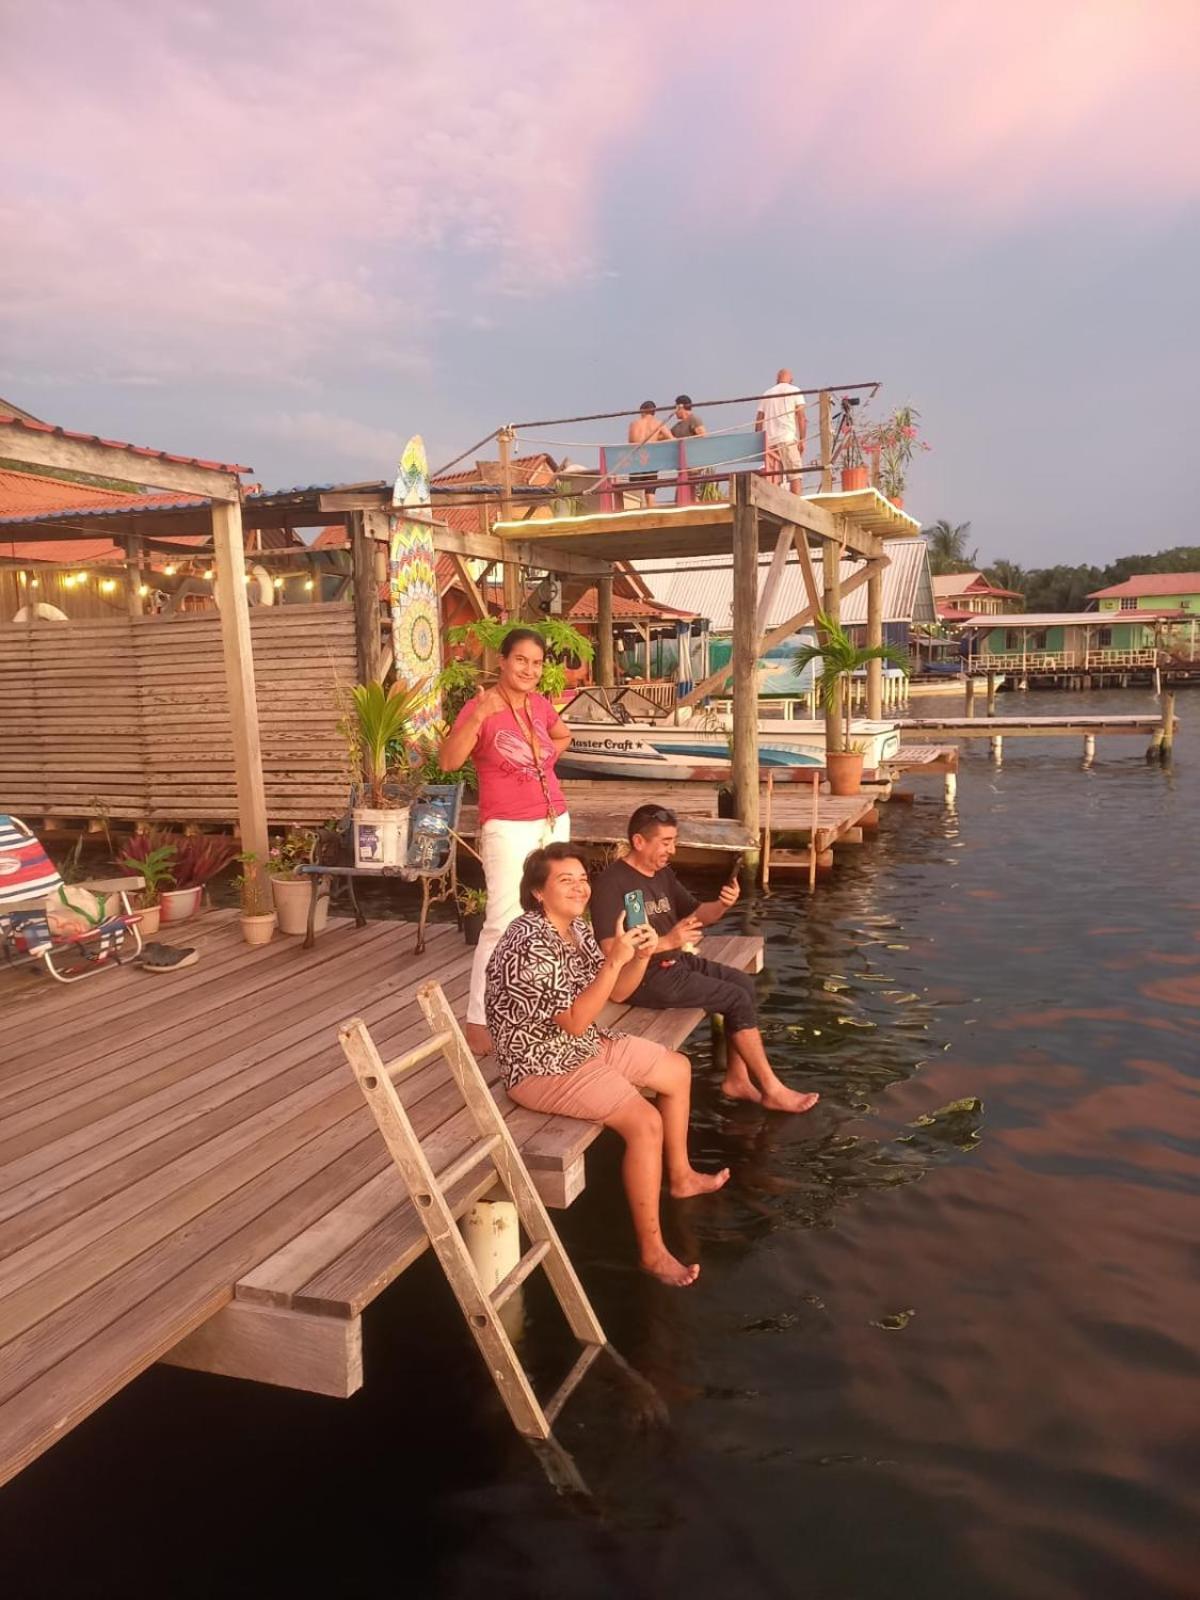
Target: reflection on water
(945, 1338)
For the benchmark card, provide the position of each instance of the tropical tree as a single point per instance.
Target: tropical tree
(948, 547)
(839, 657)
(1005, 574)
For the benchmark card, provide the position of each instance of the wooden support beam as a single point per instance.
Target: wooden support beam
(514, 597)
(489, 547)
(832, 606)
(366, 599)
(271, 1344)
(39, 449)
(874, 638)
(825, 405)
(774, 575)
(781, 505)
(744, 660)
(606, 671)
(717, 680)
(230, 563)
(473, 592)
(133, 575)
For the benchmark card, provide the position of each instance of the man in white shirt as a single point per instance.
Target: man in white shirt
(782, 421)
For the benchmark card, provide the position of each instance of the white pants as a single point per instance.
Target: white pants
(504, 846)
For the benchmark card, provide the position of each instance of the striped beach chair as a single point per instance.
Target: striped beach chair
(27, 878)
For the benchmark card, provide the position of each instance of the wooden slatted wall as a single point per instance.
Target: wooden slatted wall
(129, 715)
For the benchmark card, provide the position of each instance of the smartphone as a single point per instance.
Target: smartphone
(635, 909)
(736, 870)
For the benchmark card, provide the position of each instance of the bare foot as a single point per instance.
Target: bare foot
(740, 1089)
(694, 1182)
(663, 1266)
(479, 1039)
(781, 1099)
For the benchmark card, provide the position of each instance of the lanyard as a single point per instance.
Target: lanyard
(528, 731)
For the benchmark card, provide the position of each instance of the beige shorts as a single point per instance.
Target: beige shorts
(788, 457)
(596, 1089)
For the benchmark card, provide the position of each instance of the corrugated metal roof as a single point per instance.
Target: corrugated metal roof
(1150, 584)
(1074, 619)
(27, 426)
(704, 585)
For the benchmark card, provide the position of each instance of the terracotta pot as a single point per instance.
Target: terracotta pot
(856, 478)
(897, 500)
(844, 769)
(258, 930)
(292, 896)
(177, 905)
(148, 919)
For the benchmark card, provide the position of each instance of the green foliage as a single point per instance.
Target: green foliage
(457, 682)
(430, 769)
(893, 443)
(194, 857)
(561, 640)
(471, 902)
(839, 657)
(948, 548)
(155, 866)
(296, 849)
(379, 727)
(1005, 574)
(253, 884)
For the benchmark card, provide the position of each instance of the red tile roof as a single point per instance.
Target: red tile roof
(335, 538)
(30, 493)
(626, 610)
(1149, 584)
(27, 426)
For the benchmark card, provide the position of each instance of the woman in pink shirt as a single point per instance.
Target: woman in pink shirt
(514, 735)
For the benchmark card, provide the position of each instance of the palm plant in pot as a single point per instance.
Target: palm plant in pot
(154, 867)
(386, 773)
(840, 657)
(854, 474)
(254, 890)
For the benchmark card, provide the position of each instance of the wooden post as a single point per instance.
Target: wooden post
(1167, 744)
(606, 670)
(969, 689)
(831, 604)
(825, 413)
(745, 657)
(513, 593)
(229, 560)
(766, 833)
(133, 575)
(991, 694)
(874, 638)
(366, 599)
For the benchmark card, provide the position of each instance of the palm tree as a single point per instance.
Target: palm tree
(948, 547)
(1006, 574)
(839, 657)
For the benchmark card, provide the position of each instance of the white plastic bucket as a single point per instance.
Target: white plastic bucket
(380, 838)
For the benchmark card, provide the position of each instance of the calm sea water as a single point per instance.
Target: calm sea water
(945, 1340)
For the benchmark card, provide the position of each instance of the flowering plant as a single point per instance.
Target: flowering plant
(891, 445)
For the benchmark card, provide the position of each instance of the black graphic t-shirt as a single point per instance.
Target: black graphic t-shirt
(667, 901)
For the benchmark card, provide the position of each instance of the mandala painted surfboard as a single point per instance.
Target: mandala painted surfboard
(412, 573)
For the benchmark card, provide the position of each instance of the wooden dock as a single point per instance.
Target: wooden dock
(1031, 727)
(188, 1171)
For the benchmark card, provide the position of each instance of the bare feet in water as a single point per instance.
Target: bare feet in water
(740, 1088)
(782, 1099)
(663, 1266)
(694, 1182)
(479, 1039)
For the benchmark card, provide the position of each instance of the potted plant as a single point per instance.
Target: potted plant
(254, 888)
(891, 445)
(198, 858)
(290, 888)
(154, 867)
(385, 775)
(460, 679)
(840, 657)
(853, 462)
(472, 909)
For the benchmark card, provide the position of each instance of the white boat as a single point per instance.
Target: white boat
(615, 752)
(780, 743)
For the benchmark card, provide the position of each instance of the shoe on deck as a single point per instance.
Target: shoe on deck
(166, 958)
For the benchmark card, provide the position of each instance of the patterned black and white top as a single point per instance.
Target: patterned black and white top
(533, 975)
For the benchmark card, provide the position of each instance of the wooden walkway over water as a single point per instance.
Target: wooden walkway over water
(188, 1170)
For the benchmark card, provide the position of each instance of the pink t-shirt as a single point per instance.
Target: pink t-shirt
(509, 788)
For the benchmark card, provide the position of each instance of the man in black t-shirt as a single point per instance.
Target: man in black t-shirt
(677, 976)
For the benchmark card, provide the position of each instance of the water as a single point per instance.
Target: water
(945, 1337)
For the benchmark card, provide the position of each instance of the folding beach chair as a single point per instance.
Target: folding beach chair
(27, 879)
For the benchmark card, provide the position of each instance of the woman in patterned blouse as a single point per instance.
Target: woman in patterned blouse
(547, 982)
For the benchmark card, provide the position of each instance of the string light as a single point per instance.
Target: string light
(20, 577)
(309, 584)
(81, 577)
(169, 571)
(35, 583)
(277, 583)
(209, 574)
(143, 589)
(68, 580)
(107, 585)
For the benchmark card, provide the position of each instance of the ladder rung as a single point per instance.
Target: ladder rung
(513, 1280)
(571, 1382)
(460, 1168)
(423, 1052)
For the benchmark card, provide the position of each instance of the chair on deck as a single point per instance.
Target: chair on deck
(431, 860)
(27, 878)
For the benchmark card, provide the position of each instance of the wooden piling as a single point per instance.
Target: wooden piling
(991, 694)
(832, 603)
(1166, 747)
(366, 601)
(969, 703)
(874, 639)
(606, 671)
(745, 659)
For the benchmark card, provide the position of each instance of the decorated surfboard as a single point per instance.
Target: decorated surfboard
(412, 584)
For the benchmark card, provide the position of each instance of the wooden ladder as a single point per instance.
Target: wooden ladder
(495, 1144)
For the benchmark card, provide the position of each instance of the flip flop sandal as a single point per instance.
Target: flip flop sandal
(166, 958)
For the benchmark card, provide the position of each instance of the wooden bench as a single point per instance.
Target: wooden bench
(296, 1317)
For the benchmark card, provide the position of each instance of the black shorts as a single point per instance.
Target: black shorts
(692, 981)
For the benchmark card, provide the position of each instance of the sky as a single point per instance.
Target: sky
(290, 235)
